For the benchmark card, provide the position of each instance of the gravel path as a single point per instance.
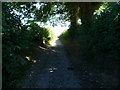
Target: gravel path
(54, 74)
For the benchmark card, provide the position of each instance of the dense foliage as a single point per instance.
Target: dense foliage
(99, 43)
(40, 34)
(16, 39)
(105, 32)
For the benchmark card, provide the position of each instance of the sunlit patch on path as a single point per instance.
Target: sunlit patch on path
(53, 43)
(56, 42)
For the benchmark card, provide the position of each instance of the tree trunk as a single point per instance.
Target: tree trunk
(86, 12)
(74, 19)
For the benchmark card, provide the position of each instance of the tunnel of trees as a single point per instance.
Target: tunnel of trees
(96, 39)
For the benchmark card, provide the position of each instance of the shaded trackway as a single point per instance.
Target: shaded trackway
(54, 74)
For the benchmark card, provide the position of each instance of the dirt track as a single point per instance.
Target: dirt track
(55, 69)
(55, 72)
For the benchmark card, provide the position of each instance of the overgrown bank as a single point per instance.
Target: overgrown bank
(20, 45)
(98, 46)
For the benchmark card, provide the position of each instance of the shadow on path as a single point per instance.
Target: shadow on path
(55, 73)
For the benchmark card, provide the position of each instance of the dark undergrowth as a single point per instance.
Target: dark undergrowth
(20, 45)
(98, 47)
(107, 74)
(28, 57)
